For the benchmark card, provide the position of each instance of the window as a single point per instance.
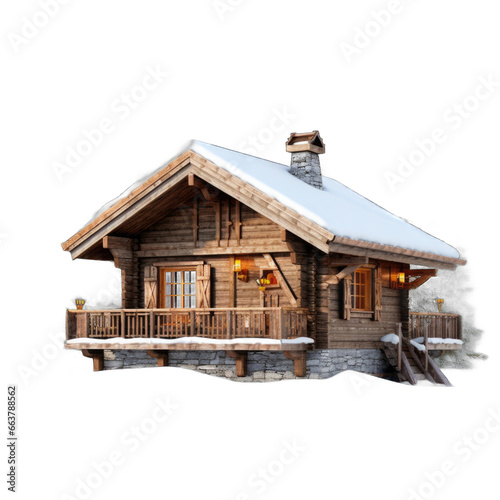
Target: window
(361, 290)
(178, 288)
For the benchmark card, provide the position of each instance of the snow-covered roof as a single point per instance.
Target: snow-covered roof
(336, 208)
(335, 218)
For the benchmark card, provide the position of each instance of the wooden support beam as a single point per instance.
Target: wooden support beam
(203, 186)
(216, 206)
(97, 357)
(211, 249)
(232, 283)
(117, 243)
(161, 356)
(226, 204)
(196, 182)
(196, 226)
(281, 279)
(241, 362)
(423, 275)
(296, 247)
(299, 362)
(334, 280)
(237, 222)
(209, 195)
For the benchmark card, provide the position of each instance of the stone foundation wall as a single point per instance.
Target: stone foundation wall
(262, 365)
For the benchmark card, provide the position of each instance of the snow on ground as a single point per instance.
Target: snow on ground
(181, 434)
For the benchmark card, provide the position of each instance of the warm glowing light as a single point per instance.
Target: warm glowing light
(401, 277)
(237, 266)
(79, 303)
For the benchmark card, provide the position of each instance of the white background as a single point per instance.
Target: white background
(231, 71)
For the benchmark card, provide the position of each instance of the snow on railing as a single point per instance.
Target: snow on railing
(227, 323)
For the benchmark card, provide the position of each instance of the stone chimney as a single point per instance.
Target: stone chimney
(305, 149)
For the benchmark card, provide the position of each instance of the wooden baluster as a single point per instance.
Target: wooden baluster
(151, 324)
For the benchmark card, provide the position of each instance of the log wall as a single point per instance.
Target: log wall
(204, 231)
(178, 230)
(334, 332)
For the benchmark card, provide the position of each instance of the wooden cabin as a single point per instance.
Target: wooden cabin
(234, 261)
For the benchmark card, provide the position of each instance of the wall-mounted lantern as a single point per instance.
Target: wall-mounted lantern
(401, 278)
(268, 279)
(439, 303)
(242, 274)
(79, 303)
(262, 282)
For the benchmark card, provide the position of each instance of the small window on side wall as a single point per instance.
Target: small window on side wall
(361, 290)
(363, 294)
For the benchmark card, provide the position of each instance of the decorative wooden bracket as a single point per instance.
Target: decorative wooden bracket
(241, 362)
(196, 182)
(203, 187)
(421, 275)
(297, 248)
(97, 356)
(120, 248)
(299, 362)
(337, 278)
(280, 279)
(161, 356)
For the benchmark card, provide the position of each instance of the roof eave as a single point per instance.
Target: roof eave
(393, 253)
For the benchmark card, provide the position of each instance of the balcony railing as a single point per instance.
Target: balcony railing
(439, 325)
(230, 323)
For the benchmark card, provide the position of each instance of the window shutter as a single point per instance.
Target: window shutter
(150, 287)
(347, 297)
(378, 294)
(203, 285)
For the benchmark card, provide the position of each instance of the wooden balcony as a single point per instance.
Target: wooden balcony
(187, 328)
(158, 331)
(433, 327)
